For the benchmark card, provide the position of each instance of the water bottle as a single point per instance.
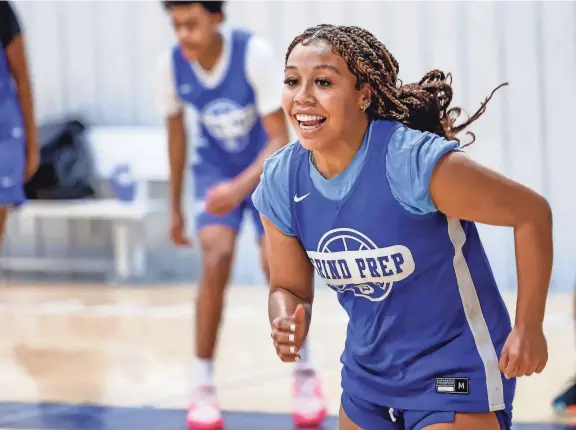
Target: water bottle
(123, 183)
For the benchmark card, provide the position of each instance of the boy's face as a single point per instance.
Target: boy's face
(195, 29)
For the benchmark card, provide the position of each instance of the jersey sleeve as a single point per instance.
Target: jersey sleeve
(271, 197)
(168, 100)
(411, 158)
(265, 75)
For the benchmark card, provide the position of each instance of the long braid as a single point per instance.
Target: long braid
(423, 106)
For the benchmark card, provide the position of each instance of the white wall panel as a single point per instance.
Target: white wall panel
(98, 59)
(557, 115)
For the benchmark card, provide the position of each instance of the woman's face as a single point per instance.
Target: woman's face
(320, 96)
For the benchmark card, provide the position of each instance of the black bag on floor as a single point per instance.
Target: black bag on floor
(66, 165)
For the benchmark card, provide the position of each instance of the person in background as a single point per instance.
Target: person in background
(234, 82)
(19, 154)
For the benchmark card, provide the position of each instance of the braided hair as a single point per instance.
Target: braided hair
(423, 106)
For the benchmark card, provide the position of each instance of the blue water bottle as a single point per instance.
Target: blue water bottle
(123, 183)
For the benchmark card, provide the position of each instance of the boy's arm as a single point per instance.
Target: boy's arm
(177, 157)
(171, 108)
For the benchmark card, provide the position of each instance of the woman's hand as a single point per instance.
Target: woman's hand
(525, 352)
(289, 334)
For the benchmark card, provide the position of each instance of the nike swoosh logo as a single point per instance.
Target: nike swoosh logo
(299, 199)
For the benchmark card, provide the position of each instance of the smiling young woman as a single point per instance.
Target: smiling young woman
(379, 199)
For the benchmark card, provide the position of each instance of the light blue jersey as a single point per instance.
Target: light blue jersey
(427, 322)
(232, 134)
(411, 158)
(231, 131)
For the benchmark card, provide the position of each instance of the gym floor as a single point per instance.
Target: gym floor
(94, 356)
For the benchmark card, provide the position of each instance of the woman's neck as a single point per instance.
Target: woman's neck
(335, 159)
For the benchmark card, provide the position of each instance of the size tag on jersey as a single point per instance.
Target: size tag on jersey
(453, 385)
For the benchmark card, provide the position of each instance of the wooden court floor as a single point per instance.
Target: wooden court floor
(130, 348)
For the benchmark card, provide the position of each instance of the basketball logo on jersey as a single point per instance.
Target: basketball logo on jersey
(350, 261)
(229, 123)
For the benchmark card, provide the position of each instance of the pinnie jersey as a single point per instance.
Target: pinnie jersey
(426, 320)
(12, 138)
(231, 132)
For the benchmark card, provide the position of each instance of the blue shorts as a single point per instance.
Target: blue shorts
(374, 417)
(12, 167)
(233, 219)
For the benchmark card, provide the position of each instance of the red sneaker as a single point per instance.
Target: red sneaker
(309, 409)
(204, 411)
